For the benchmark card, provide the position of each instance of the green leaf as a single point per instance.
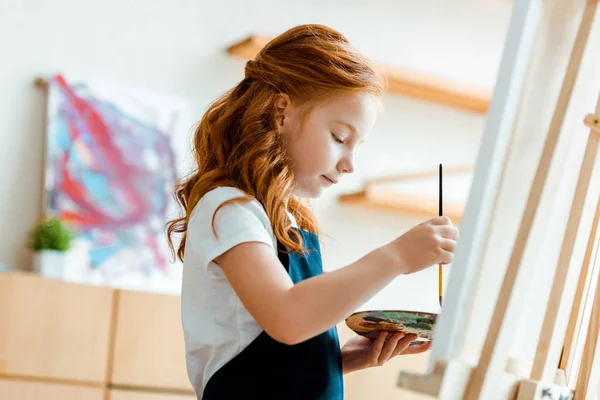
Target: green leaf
(50, 234)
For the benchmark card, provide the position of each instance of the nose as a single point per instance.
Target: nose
(346, 165)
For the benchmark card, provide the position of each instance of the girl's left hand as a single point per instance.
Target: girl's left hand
(360, 352)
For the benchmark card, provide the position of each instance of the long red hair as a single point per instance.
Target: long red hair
(237, 142)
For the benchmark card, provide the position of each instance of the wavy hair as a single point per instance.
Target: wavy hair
(237, 142)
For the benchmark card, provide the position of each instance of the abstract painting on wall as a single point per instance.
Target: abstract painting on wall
(112, 159)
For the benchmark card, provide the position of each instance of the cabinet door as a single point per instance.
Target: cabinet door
(139, 395)
(54, 329)
(149, 348)
(29, 390)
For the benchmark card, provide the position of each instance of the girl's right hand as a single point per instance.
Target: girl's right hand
(429, 243)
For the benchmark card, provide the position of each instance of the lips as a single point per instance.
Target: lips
(333, 182)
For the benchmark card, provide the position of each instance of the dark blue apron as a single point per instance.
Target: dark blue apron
(268, 369)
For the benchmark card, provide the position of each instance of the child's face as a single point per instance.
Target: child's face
(323, 150)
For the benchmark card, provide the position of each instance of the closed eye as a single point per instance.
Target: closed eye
(337, 138)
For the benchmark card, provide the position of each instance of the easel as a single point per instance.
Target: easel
(495, 375)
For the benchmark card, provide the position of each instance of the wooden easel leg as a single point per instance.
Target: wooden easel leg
(552, 334)
(585, 277)
(587, 381)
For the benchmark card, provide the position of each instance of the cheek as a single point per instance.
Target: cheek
(314, 153)
(325, 156)
(303, 158)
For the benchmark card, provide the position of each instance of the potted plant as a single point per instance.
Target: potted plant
(50, 240)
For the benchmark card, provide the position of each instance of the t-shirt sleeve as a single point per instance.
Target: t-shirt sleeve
(235, 223)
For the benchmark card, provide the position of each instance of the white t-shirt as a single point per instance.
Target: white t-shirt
(216, 324)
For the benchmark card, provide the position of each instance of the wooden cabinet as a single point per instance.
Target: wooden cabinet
(25, 390)
(131, 395)
(149, 349)
(53, 329)
(61, 340)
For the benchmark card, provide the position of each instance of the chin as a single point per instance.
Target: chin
(309, 193)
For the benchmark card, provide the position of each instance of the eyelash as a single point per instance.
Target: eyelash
(337, 139)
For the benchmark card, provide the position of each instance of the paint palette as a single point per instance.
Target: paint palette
(370, 323)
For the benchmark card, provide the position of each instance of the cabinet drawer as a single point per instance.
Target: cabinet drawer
(22, 390)
(149, 348)
(54, 329)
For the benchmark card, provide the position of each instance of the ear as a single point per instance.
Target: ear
(282, 109)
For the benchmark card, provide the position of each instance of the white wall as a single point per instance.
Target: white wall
(177, 46)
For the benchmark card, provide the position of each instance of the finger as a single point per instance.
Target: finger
(389, 347)
(416, 349)
(448, 245)
(447, 231)
(378, 346)
(403, 344)
(443, 220)
(446, 257)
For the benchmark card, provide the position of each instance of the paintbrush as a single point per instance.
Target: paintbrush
(441, 212)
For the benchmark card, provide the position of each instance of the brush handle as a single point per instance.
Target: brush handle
(440, 280)
(440, 270)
